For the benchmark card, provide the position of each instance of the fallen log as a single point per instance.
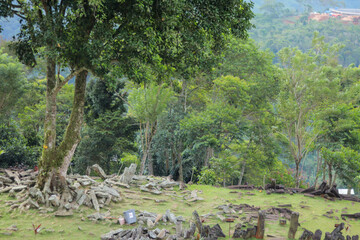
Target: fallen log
(244, 187)
(355, 215)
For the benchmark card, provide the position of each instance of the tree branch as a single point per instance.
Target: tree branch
(68, 78)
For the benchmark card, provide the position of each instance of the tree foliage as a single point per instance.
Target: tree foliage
(12, 84)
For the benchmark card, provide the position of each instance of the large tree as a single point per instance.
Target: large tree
(140, 37)
(305, 89)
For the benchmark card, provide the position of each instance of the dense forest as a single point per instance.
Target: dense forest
(229, 98)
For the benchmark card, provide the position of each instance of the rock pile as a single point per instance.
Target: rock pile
(96, 195)
(279, 188)
(136, 233)
(206, 232)
(16, 180)
(328, 192)
(192, 196)
(233, 211)
(245, 233)
(82, 190)
(336, 234)
(151, 219)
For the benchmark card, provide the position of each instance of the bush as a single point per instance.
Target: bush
(207, 176)
(15, 150)
(282, 175)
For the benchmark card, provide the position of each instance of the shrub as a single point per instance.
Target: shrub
(207, 176)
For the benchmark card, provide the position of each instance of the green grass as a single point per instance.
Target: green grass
(68, 228)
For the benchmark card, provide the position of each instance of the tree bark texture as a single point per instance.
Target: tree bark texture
(317, 167)
(181, 174)
(209, 155)
(55, 160)
(146, 139)
(242, 172)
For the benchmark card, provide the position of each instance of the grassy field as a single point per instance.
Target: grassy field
(79, 227)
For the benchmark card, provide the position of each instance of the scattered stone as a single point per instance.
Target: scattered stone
(284, 205)
(168, 184)
(99, 171)
(306, 235)
(150, 223)
(317, 235)
(12, 228)
(245, 234)
(161, 234)
(54, 200)
(170, 216)
(128, 174)
(153, 191)
(189, 233)
(19, 188)
(63, 213)
(5, 180)
(94, 201)
(152, 234)
(96, 216)
(116, 183)
(217, 231)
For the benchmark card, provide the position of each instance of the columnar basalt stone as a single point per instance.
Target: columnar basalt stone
(217, 231)
(197, 221)
(260, 231)
(306, 235)
(244, 234)
(317, 235)
(179, 231)
(294, 223)
(99, 171)
(189, 233)
(128, 174)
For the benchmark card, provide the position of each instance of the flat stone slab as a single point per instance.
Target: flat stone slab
(63, 213)
(19, 188)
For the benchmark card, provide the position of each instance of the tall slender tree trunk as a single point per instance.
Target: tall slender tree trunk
(242, 172)
(146, 140)
(224, 181)
(173, 157)
(143, 161)
(319, 160)
(334, 180)
(324, 171)
(330, 174)
(297, 180)
(49, 146)
(181, 174)
(167, 162)
(209, 155)
(150, 163)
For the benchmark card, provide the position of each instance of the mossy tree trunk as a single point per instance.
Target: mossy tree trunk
(55, 160)
(49, 147)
